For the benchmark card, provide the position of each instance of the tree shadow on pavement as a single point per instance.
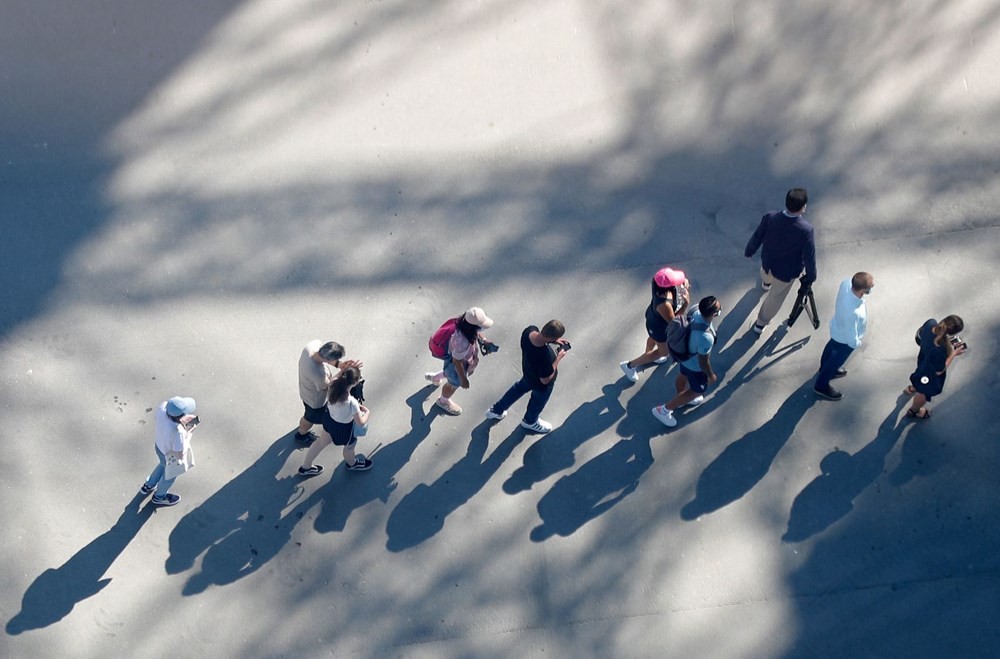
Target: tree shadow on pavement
(606, 479)
(843, 478)
(341, 498)
(237, 525)
(52, 596)
(747, 460)
(422, 512)
(556, 451)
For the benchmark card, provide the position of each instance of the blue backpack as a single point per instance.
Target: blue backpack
(679, 336)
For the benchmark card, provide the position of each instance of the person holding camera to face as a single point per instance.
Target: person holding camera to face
(542, 350)
(460, 340)
(939, 344)
(345, 417)
(670, 296)
(174, 423)
(319, 364)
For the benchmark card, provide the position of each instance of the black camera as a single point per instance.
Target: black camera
(563, 345)
(487, 347)
(958, 343)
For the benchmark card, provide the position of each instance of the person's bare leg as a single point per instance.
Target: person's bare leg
(304, 426)
(321, 443)
(919, 400)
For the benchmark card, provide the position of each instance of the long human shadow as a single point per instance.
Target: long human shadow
(557, 451)
(52, 596)
(843, 477)
(347, 492)
(608, 478)
(747, 460)
(239, 527)
(422, 512)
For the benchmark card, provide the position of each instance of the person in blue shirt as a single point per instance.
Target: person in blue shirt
(847, 327)
(788, 249)
(695, 372)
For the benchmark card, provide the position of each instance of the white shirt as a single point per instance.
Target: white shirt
(314, 378)
(170, 435)
(850, 316)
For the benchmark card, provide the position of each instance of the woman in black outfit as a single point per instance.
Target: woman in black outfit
(937, 349)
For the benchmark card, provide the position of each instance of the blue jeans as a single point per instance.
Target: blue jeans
(535, 404)
(835, 355)
(156, 478)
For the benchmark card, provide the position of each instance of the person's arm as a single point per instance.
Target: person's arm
(361, 416)
(706, 366)
(460, 367)
(666, 310)
(947, 362)
(757, 239)
(555, 365)
(809, 259)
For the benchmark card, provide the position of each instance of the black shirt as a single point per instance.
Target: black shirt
(536, 362)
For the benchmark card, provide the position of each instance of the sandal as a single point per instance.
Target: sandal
(909, 391)
(917, 415)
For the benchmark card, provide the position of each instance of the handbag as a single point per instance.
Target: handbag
(360, 429)
(178, 463)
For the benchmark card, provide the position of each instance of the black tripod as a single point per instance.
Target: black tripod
(804, 295)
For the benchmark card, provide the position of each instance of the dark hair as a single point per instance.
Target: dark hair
(553, 330)
(948, 326)
(467, 329)
(341, 385)
(709, 306)
(331, 351)
(660, 291)
(796, 199)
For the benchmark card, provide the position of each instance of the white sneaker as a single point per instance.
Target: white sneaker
(629, 372)
(765, 287)
(662, 360)
(433, 378)
(490, 414)
(758, 329)
(538, 426)
(696, 402)
(665, 416)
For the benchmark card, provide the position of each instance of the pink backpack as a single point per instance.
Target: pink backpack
(439, 340)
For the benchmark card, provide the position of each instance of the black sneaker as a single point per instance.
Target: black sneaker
(361, 463)
(146, 489)
(314, 470)
(841, 372)
(307, 438)
(166, 500)
(829, 393)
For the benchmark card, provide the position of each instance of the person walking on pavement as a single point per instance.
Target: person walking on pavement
(344, 415)
(695, 372)
(174, 422)
(319, 364)
(461, 355)
(847, 327)
(539, 368)
(939, 345)
(787, 247)
(671, 296)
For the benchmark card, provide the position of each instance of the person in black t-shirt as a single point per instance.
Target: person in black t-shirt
(539, 367)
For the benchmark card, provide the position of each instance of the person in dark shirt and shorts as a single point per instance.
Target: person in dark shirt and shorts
(788, 248)
(541, 352)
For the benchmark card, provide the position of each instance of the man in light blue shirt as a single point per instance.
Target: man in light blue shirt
(847, 327)
(696, 371)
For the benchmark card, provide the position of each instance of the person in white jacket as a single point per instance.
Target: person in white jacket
(174, 424)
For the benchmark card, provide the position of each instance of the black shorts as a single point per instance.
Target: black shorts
(315, 415)
(342, 433)
(656, 326)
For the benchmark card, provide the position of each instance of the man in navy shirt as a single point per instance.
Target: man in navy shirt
(541, 352)
(788, 248)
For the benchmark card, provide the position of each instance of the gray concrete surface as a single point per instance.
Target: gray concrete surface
(190, 191)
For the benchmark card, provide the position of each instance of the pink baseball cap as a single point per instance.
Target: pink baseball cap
(667, 277)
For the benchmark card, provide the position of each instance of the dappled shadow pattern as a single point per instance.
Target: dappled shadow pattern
(556, 451)
(340, 498)
(843, 477)
(52, 596)
(422, 512)
(240, 526)
(747, 460)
